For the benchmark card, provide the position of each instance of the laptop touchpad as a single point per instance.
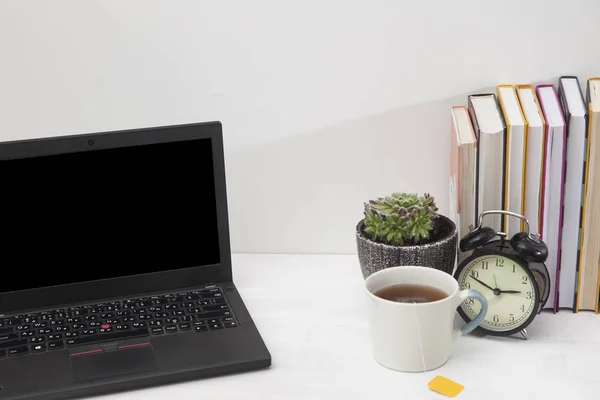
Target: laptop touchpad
(113, 363)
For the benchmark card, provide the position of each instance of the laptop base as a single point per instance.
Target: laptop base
(83, 371)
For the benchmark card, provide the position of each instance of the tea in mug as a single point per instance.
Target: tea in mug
(411, 293)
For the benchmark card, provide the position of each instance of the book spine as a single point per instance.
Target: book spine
(477, 170)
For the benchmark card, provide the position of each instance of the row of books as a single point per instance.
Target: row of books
(535, 150)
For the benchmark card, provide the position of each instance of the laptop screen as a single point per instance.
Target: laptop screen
(107, 213)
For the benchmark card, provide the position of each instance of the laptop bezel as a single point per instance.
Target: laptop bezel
(92, 291)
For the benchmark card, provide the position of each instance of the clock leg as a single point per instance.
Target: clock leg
(524, 334)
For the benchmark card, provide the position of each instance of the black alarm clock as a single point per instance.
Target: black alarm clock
(509, 273)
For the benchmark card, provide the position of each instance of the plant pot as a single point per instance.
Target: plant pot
(440, 253)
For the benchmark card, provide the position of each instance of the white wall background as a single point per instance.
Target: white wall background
(325, 103)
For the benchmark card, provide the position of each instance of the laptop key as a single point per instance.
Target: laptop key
(157, 330)
(216, 307)
(8, 336)
(185, 327)
(214, 314)
(55, 345)
(171, 328)
(13, 343)
(230, 324)
(200, 328)
(117, 335)
(18, 351)
(38, 348)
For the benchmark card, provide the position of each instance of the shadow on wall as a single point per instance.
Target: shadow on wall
(305, 194)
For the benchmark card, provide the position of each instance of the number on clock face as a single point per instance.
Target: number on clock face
(492, 276)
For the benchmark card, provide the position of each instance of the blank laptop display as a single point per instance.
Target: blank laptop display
(107, 213)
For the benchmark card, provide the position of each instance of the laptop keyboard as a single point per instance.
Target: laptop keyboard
(193, 311)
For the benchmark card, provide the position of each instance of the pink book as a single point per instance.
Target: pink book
(553, 184)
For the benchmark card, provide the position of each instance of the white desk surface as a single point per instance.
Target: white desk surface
(310, 310)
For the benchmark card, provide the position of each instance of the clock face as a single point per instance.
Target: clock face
(508, 288)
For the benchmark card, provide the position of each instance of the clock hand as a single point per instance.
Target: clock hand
(510, 291)
(495, 283)
(487, 286)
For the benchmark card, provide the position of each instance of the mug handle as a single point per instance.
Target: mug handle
(462, 296)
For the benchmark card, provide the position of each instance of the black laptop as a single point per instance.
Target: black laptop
(116, 264)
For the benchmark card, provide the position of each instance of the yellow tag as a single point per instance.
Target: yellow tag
(445, 386)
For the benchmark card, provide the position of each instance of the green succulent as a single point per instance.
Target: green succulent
(400, 218)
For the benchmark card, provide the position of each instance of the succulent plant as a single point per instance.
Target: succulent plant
(400, 219)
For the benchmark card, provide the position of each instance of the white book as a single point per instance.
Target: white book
(536, 139)
(488, 123)
(516, 136)
(554, 184)
(575, 113)
(463, 171)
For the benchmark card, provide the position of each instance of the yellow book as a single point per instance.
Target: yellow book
(516, 156)
(589, 262)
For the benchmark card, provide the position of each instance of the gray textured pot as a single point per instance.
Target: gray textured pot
(440, 255)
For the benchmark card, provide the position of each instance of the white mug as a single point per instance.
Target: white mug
(416, 337)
